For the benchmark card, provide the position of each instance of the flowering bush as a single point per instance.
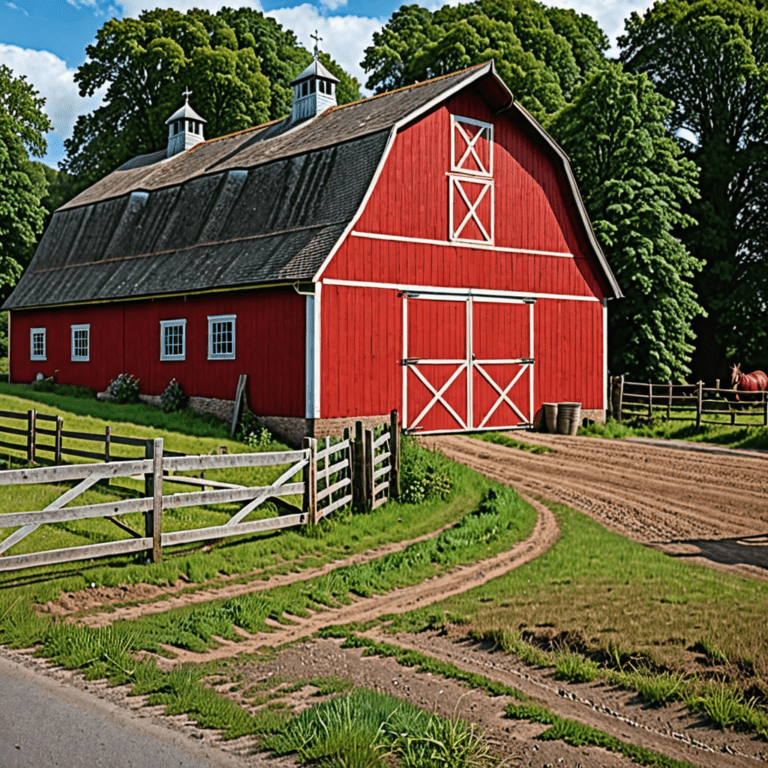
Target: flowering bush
(125, 388)
(173, 397)
(252, 432)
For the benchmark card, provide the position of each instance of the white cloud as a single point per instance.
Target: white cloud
(344, 37)
(332, 5)
(15, 7)
(50, 76)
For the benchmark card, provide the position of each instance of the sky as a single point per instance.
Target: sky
(45, 40)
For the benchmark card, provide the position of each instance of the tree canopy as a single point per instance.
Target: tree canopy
(238, 64)
(541, 53)
(23, 126)
(634, 183)
(710, 57)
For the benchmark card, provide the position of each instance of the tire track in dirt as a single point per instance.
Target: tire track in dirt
(460, 579)
(710, 506)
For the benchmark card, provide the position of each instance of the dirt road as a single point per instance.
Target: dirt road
(710, 506)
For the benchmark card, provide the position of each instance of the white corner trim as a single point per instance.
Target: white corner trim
(222, 319)
(312, 341)
(605, 354)
(10, 315)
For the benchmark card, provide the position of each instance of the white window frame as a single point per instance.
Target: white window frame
(32, 333)
(221, 319)
(87, 356)
(486, 130)
(172, 324)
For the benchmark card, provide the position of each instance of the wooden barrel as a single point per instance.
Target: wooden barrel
(550, 417)
(568, 418)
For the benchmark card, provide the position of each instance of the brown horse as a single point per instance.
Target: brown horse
(757, 381)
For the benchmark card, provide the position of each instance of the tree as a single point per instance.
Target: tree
(541, 53)
(710, 57)
(635, 182)
(23, 125)
(235, 62)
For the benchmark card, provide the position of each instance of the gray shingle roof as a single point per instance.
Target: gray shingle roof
(264, 205)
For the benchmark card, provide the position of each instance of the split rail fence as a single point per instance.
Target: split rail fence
(362, 468)
(687, 402)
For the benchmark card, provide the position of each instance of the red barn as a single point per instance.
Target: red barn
(425, 250)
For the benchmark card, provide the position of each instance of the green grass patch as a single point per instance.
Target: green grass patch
(597, 606)
(718, 434)
(499, 438)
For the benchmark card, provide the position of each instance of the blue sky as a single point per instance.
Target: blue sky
(45, 40)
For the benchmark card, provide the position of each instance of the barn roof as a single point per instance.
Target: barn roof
(265, 205)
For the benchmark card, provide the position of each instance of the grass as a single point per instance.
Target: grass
(499, 438)
(725, 434)
(598, 606)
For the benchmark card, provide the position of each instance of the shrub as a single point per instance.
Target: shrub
(173, 397)
(124, 389)
(424, 475)
(252, 432)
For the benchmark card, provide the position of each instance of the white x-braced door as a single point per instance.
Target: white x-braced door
(467, 363)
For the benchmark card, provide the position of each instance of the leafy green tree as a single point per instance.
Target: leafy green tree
(23, 125)
(541, 53)
(710, 57)
(635, 183)
(237, 64)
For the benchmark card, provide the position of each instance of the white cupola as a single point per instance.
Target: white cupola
(314, 90)
(185, 128)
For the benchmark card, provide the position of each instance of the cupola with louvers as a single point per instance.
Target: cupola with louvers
(314, 90)
(185, 128)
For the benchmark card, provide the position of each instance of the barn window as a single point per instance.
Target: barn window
(173, 339)
(221, 337)
(470, 180)
(81, 343)
(37, 344)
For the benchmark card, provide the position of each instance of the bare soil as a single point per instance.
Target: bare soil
(708, 506)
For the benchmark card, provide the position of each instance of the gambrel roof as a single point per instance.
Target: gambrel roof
(262, 206)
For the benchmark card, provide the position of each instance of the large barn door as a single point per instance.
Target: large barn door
(502, 363)
(467, 363)
(435, 363)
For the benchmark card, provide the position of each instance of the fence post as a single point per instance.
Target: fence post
(153, 488)
(359, 490)
(57, 447)
(619, 410)
(394, 459)
(669, 402)
(699, 398)
(310, 481)
(107, 441)
(371, 494)
(347, 436)
(31, 434)
(765, 410)
(650, 400)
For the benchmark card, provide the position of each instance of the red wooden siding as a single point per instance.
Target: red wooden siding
(125, 338)
(534, 210)
(362, 346)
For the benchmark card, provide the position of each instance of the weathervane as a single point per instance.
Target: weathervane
(187, 93)
(317, 40)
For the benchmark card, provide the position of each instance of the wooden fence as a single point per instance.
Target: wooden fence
(687, 402)
(357, 469)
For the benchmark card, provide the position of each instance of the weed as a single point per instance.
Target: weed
(575, 668)
(499, 438)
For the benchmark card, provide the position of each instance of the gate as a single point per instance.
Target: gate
(467, 363)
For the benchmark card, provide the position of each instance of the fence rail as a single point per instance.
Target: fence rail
(687, 402)
(357, 469)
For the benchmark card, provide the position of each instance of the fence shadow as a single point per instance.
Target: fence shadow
(743, 550)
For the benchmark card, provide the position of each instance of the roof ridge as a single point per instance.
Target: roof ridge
(407, 87)
(237, 133)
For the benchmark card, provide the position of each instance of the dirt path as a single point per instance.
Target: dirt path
(708, 506)
(461, 579)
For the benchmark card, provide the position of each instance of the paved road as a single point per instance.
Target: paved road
(44, 722)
